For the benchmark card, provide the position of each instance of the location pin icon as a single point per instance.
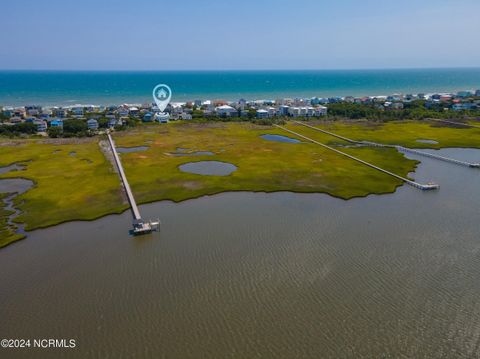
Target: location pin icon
(162, 95)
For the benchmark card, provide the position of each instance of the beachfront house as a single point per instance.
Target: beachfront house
(464, 94)
(8, 111)
(33, 110)
(60, 112)
(77, 111)
(226, 111)
(92, 124)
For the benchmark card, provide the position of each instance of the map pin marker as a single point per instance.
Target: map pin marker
(162, 95)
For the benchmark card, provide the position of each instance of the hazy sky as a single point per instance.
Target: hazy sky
(248, 34)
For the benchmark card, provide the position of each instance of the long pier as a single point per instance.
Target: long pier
(139, 225)
(454, 123)
(398, 147)
(429, 186)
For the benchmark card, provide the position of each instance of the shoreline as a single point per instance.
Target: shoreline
(120, 212)
(103, 87)
(138, 101)
(177, 187)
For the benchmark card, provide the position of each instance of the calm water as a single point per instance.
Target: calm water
(208, 168)
(243, 275)
(68, 88)
(132, 149)
(280, 138)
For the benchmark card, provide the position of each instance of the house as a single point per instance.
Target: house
(15, 119)
(184, 116)
(464, 94)
(134, 111)
(147, 117)
(321, 111)
(112, 122)
(8, 111)
(464, 106)
(294, 111)
(477, 93)
(41, 125)
(92, 124)
(283, 110)
(33, 110)
(162, 117)
(262, 113)
(60, 112)
(242, 103)
(19, 112)
(123, 112)
(56, 123)
(226, 111)
(77, 111)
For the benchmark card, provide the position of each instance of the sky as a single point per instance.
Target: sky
(240, 35)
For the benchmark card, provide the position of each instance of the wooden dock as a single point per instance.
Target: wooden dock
(139, 225)
(398, 147)
(429, 186)
(453, 122)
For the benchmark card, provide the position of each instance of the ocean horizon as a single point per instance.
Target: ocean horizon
(64, 88)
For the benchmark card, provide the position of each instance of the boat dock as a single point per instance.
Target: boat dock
(429, 186)
(398, 147)
(139, 225)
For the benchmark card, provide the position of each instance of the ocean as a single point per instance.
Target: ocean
(18, 88)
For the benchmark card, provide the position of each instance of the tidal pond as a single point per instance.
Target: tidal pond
(131, 149)
(280, 138)
(208, 168)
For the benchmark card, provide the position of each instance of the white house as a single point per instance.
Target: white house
(321, 111)
(162, 117)
(262, 113)
(226, 111)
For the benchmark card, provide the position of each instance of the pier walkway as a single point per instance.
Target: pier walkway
(453, 122)
(398, 147)
(429, 186)
(139, 226)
